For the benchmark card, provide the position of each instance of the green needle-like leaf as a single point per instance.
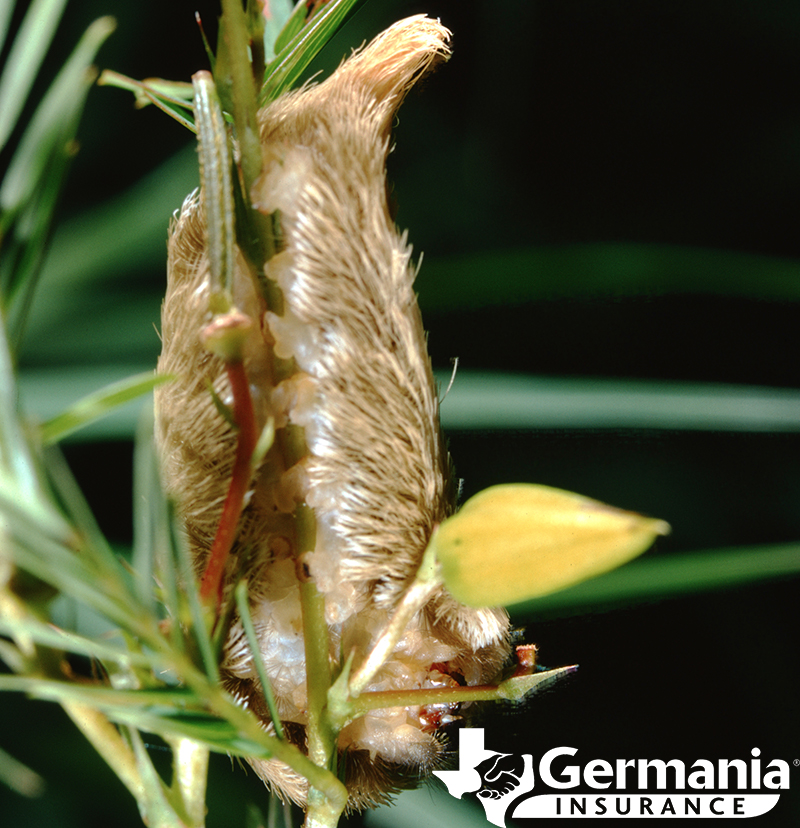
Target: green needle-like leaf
(30, 188)
(301, 49)
(54, 120)
(172, 97)
(97, 405)
(19, 777)
(16, 463)
(215, 169)
(30, 47)
(49, 635)
(282, 25)
(108, 698)
(6, 8)
(242, 605)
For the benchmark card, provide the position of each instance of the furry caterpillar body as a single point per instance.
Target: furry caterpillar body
(376, 473)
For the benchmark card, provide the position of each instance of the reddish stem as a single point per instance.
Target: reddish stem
(211, 582)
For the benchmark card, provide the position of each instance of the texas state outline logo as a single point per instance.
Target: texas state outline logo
(497, 778)
(619, 788)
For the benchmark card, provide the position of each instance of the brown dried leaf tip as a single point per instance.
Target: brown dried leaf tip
(376, 473)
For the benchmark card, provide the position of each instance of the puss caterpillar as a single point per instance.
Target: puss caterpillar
(376, 473)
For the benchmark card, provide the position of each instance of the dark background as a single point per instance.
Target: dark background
(570, 126)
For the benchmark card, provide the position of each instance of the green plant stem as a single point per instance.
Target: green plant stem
(333, 791)
(510, 690)
(413, 600)
(190, 769)
(384, 699)
(318, 668)
(234, 74)
(322, 809)
(425, 583)
(108, 742)
(234, 60)
(158, 806)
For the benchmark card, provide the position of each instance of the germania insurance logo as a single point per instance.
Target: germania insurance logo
(561, 784)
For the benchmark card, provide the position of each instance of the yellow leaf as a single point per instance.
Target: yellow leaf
(519, 541)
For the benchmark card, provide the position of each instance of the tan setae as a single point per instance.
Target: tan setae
(375, 472)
